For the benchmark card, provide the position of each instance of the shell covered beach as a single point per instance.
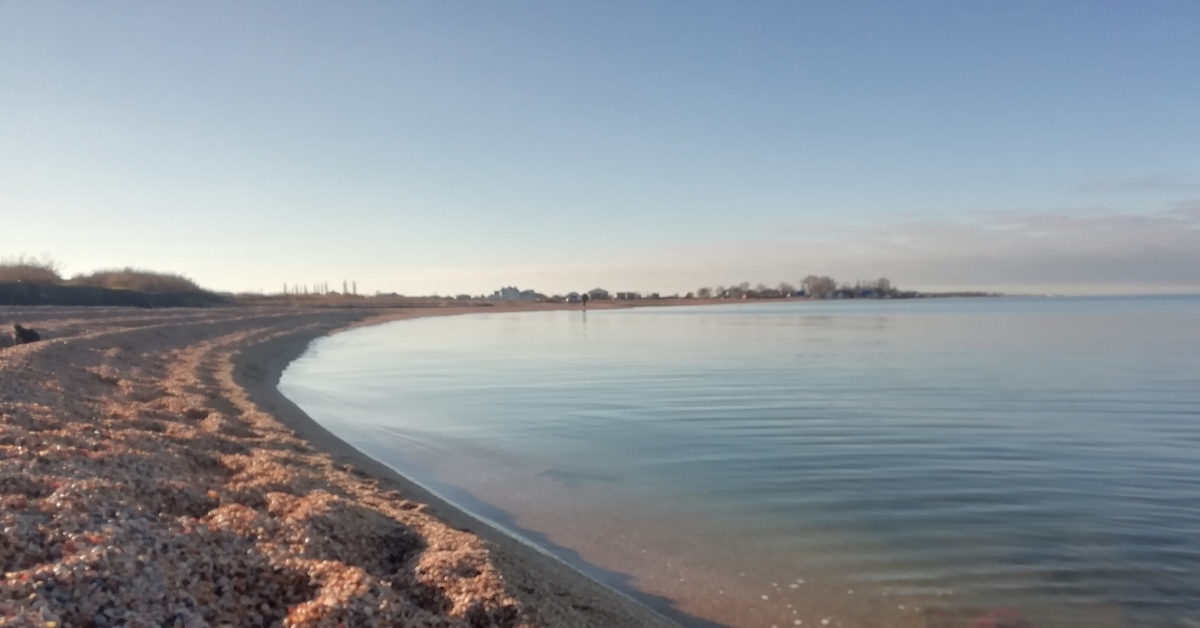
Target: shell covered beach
(152, 475)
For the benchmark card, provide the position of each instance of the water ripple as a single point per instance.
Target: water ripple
(1033, 453)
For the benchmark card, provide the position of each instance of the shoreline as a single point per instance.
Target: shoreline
(524, 555)
(152, 473)
(716, 595)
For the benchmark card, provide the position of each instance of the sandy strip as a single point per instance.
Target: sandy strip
(151, 474)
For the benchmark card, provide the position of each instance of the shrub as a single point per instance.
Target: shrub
(24, 269)
(136, 279)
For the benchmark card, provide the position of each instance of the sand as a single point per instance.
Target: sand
(151, 474)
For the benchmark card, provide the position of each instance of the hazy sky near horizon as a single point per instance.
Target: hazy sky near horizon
(452, 146)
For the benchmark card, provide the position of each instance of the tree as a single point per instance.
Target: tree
(720, 292)
(809, 284)
(786, 288)
(819, 287)
(704, 293)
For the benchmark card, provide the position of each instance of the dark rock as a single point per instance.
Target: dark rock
(25, 336)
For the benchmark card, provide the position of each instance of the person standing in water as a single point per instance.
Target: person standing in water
(583, 298)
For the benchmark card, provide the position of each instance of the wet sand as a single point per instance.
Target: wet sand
(152, 474)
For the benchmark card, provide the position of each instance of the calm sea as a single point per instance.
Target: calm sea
(768, 464)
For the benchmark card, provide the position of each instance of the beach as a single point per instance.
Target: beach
(152, 474)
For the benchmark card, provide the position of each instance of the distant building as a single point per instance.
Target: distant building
(513, 293)
(628, 296)
(598, 294)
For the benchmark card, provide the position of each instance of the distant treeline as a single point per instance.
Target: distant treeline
(814, 287)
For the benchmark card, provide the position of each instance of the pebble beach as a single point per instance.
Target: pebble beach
(152, 475)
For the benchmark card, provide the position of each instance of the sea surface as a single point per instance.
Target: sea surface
(859, 462)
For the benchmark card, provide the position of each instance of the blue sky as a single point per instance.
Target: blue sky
(456, 146)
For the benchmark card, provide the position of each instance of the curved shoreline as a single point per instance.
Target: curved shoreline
(152, 473)
(687, 570)
(516, 553)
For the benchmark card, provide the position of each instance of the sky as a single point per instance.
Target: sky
(456, 147)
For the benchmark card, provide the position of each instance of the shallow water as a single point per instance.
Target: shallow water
(1038, 454)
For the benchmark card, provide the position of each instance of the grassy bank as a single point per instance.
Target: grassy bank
(29, 281)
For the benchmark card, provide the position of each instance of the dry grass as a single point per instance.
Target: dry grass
(24, 269)
(141, 280)
(26, 280)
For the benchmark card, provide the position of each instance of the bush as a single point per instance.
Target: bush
(136, 279)
(23, 269)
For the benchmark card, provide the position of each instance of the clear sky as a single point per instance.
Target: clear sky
(451, 146)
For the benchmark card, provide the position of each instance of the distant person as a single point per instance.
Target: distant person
(583, 298)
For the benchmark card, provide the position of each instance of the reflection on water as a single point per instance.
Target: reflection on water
(1039, 454)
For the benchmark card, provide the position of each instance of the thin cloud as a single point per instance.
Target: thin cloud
(1188, 212)
(1089, 250)
(1148, 184)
